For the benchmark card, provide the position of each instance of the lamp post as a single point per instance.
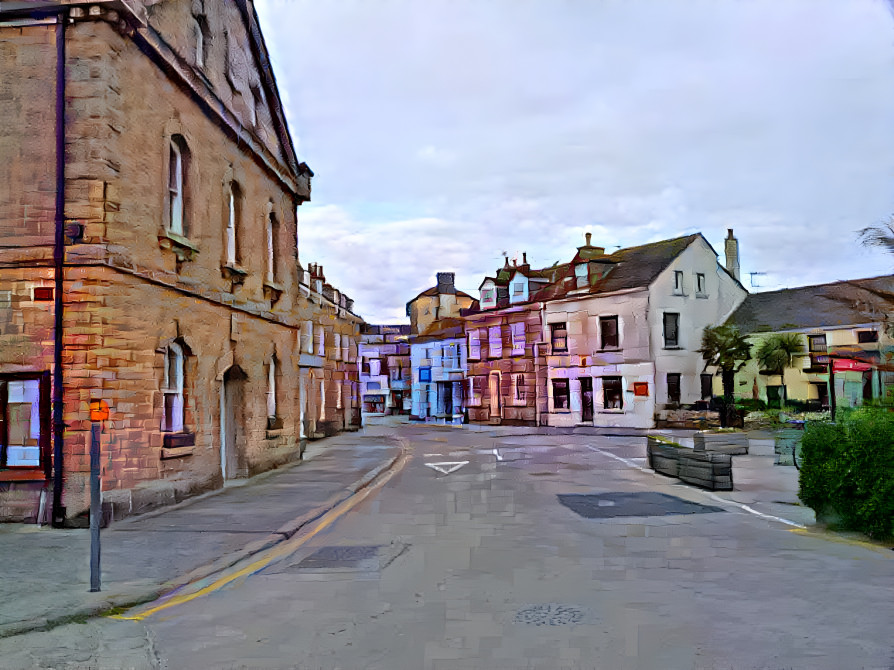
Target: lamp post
(99, 412)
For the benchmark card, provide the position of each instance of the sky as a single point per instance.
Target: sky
(444, 134)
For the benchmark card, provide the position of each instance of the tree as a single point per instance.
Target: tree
(881, 235)
(776, 353)
(726, 348)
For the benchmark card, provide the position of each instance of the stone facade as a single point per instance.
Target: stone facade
(184, 302)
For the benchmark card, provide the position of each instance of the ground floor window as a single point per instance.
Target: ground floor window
(476, 390)
(612, 395)
(707, 386)
(374, 403)
(673, 388)
(560, 395)
(24, 421)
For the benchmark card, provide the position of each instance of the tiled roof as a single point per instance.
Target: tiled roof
(633, 267)
(836, 304)
(434, 291)
(441, 329)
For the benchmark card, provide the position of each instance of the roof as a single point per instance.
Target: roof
(839, 303)
(433, 291)
(633, 267)
(441, 329)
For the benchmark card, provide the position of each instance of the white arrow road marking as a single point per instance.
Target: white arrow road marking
(447, 467)
(497, 454)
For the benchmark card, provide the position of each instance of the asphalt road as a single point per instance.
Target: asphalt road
(521, 552)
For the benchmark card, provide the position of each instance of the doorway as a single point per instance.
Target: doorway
(232, 433)
(494, 389)
(586, 395)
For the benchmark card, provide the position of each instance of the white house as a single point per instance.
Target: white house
(623, 330)
(438, 358)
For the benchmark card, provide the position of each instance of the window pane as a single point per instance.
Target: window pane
(611, 391)
(609, 327)
(23, 423)
(673, 387)
(560, 394)
(671, 323)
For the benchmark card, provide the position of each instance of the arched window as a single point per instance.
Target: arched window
(234, 206)
(173, 389)
(271, 247)
(176, 185)
(271, 388)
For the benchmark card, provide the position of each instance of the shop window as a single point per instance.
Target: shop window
(867, 336)
(24, 422)
(561, 396)
(612, 394)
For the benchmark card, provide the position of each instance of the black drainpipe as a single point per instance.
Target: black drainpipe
(58, 265)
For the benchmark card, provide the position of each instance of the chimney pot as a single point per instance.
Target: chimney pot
(588, 236)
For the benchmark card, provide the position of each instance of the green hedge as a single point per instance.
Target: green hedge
(847, 471)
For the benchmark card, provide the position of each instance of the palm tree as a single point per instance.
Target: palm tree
(776, 353)
(881, 235)
(726, 348)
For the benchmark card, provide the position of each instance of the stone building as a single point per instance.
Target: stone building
(149, 192)
(384, 361)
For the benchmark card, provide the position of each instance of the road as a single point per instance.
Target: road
(482, 554)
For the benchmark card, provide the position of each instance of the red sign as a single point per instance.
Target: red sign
(845, 364)
(99, 410)
(640, 388)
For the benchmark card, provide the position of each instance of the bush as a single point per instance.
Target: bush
(750, 404)
(847, 471)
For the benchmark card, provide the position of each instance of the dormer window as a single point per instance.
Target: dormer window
(487, 295)
(580, 274)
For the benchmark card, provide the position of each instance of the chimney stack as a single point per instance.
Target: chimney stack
(524, 258)
(588, 236)
(731, 247)
(445, 282)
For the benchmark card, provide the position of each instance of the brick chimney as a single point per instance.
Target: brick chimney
(445, 283)
(731, 247)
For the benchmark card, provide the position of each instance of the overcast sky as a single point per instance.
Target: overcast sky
(446, 132)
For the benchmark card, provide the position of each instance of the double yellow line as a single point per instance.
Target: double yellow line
(195, 590)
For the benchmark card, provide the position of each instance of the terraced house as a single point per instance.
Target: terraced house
(149, 192)
(603, 340)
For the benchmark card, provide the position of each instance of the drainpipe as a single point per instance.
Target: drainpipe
(58, 513)
(537, 365)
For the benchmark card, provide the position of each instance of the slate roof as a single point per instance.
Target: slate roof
(441, 329)
(839, 303)
(434, 291)
(633, 267)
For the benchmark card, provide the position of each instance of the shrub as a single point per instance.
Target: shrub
(847, 471)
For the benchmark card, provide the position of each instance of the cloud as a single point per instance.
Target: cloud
(444, 132)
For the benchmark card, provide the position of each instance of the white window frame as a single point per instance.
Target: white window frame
(271, 388)
(518, 338)
(173, 410)
(495, 344)
(175, 189)
(475, 344)
(231, 225)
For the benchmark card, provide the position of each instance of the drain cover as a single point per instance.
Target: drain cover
(549, 615)
(646, 503)
(338, 558)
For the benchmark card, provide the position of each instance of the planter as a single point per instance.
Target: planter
(733, 443)
(707, 469)
(664, 456)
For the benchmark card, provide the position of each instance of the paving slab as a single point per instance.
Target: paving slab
(46, 573)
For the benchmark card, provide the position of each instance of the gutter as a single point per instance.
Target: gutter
(58, 512)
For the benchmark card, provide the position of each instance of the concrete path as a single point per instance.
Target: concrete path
(46, 573)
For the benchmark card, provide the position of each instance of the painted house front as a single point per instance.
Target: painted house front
(439, 363)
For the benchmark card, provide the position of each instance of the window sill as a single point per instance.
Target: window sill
(22, 475)
(176, 452)
(178, 440)
(608, 350)
(610, 411)
(273, 434)
(561, 411)
(702, 296)
(182, 247)
(273, 291)
(679, 293)
(233, 273)
(674, 348)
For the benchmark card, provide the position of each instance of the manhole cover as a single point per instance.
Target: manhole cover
(647, 503)
(549, 615)
(337, 558)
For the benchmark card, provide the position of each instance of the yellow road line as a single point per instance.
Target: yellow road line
(269, 556)
(842, 540)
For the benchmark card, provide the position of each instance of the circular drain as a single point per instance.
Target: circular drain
(549, 615)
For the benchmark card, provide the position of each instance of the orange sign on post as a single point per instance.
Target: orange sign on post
(99, 410)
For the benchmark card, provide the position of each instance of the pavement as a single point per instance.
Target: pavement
(46, 571)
